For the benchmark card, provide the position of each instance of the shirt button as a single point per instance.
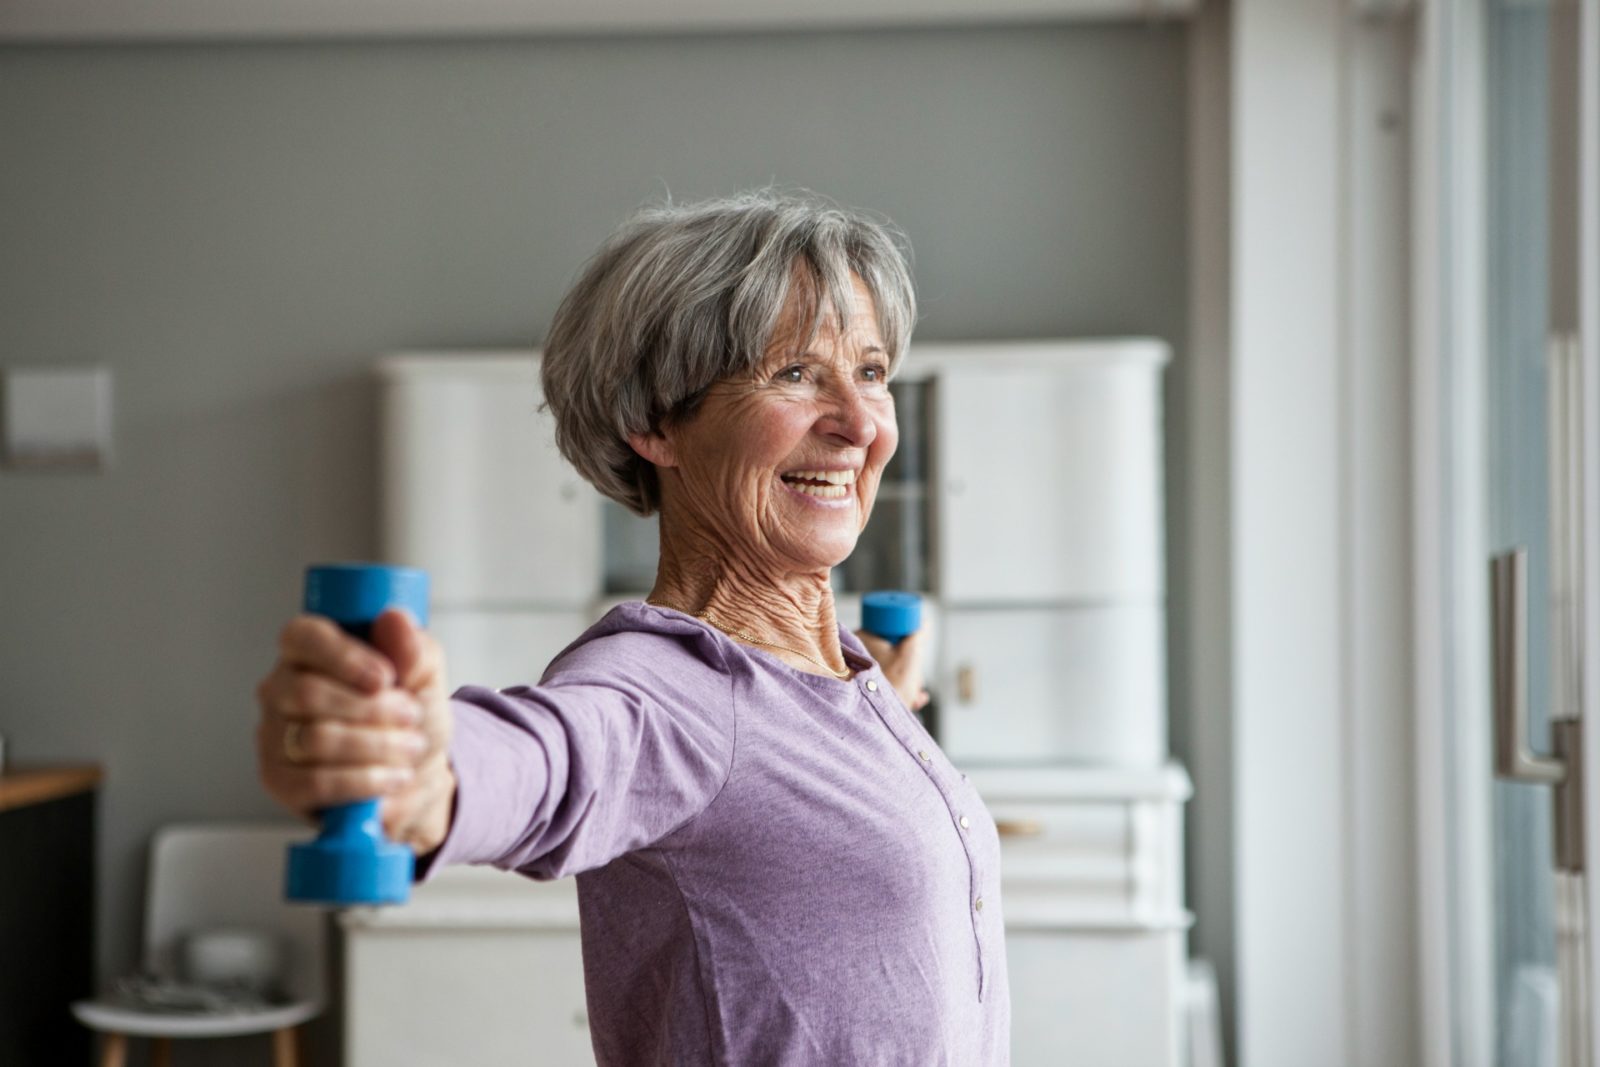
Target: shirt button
(923, 756)
(977, 905)
(964, 823)
(872, 687)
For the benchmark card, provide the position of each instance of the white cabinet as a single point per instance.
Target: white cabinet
(1091, 863)
(479, 967)
(1045, 502)
(473, 490)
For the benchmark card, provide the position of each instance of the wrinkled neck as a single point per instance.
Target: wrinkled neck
(735, 588)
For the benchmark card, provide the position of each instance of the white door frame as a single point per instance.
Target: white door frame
(1454, 876)
(1318, 517)
(1589, 356)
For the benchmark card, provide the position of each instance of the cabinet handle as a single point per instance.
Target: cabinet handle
(1019, 827)
(966, 683)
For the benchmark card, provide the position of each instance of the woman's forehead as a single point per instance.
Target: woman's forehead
(805, 323)
(859, 342)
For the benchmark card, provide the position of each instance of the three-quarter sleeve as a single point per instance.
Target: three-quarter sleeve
(627, 737)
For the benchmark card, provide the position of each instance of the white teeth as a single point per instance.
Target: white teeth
(827, 492)
(831, 477)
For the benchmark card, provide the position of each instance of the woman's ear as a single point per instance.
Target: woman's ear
(654, 447)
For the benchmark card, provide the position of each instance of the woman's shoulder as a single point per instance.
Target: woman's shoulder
(641, 643)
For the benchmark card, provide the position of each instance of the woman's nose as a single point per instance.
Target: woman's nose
(848, 418)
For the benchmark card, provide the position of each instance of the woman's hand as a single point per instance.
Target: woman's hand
(902, 664)
(342, 721)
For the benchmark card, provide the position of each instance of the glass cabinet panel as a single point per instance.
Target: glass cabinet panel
(893, 552)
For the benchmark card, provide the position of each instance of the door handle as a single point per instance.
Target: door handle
(1514, 758)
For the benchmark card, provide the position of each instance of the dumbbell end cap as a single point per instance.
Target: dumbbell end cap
(337, 874)
(891, 614)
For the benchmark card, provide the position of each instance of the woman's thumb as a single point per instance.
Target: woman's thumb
(396, 634)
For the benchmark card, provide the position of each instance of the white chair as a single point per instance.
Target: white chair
(213, 875)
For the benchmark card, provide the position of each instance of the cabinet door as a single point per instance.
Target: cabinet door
(1081, 996)
(503, 648)
(1080, 685)
(475, 492)
(1047, 483)
(451, 997)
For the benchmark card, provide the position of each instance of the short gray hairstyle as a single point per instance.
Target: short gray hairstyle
(683, 296)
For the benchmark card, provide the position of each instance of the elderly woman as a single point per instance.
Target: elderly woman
(775, 862)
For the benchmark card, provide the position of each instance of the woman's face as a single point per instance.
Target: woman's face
(783, 467)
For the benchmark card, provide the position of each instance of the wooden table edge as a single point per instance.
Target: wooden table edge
(22, 786)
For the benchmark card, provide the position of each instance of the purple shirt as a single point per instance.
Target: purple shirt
(774, 867)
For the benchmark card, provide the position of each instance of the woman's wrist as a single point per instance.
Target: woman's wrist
(426, 832)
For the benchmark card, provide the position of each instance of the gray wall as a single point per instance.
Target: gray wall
(237, 230)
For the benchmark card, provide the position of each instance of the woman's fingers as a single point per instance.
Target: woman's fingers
(420, 663)
(342, 720)
(308, 789)
(316, 644)
(294, 693)
(325, 742)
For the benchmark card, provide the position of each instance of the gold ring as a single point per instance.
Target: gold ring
(292, 751)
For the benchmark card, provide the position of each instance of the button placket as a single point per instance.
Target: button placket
(908, 740)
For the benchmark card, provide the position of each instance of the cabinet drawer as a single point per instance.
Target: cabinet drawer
(1092, 848)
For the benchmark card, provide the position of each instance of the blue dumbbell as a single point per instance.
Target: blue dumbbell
(351, 862)
(890, 614)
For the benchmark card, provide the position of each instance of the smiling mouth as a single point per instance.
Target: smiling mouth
(827, 485)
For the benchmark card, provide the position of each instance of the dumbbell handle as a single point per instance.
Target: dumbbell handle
(351, 862)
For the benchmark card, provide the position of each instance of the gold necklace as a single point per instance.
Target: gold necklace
(754, 640)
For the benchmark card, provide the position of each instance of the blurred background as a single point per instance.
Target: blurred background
(1351, 245)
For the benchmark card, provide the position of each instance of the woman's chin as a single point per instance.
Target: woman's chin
(831, 553)
(820, 532)
(820, 553)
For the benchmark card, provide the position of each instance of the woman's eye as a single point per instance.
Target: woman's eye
(795, 374)
(873, 373)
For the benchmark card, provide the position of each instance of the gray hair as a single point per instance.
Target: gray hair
(683, 296)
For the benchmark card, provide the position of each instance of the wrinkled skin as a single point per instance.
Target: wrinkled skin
(737, 544)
